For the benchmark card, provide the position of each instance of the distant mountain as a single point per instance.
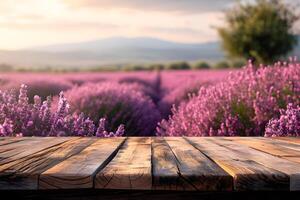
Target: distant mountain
(116, 50)
(116, 43)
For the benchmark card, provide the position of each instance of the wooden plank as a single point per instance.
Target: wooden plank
(24, 173)
(8, 144)
(164, 167)
(14, 145)
(197, 169)
(289, 168)
(247, 173)
(294, 140)
(79, 170)
(9, 140)
(271, 143)
(190, 169)
(15, 151)
(286, 144)
(130, 169)
(277, 148)
(206, 164)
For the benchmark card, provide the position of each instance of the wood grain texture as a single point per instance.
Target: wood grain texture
(164, 167)
(145, 163)
(247, 173)
(79, 170)
(289, 168)
(17, 144)
(9, 140)
(294, 140)
(18, 152)
(131, 167)
(192, 170)
(197, 169)
(277, 148)
(11, 153)
(24, 172)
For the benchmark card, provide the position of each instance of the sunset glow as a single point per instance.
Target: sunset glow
(30, 23)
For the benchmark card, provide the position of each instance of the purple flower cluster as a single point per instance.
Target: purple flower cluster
(147, 87)
(42, 87)
(119, 104)
(288, 124)
(18, 117)
(181, 94)
(240, 106)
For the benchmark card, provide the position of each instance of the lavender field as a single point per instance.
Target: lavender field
(150, 68)
(253, 101)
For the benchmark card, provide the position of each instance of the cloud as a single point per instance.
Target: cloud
(37, 22)
(70, 26)
(180, 6)
(187, 35)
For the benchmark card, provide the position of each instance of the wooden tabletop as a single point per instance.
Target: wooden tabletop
(150, 163)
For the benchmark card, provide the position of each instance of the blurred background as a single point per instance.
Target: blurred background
(85, 35)
(159, 67)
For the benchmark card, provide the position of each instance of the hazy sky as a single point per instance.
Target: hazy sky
(27, 23)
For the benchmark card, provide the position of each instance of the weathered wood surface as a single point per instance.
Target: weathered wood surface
(211, 164)
(289, 139)
(131, 167)
(289, 151)
(26, 170)
(180, 166)
(268, 171)
(79, 170)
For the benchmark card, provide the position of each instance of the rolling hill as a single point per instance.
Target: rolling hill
(116, 50)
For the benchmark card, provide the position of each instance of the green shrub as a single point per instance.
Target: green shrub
(156, 67)
(221, 65)
(179, 65)
(134, 68)
(201, 65)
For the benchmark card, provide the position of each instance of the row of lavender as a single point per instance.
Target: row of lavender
(249, 102)
(139, 99)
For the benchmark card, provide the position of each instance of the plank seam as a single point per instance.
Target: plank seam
(19, 160)
(152, 166)
(11, 142)
(257, 162)
(193, 145)
(107, 161)
(178, 169)
(63, 159)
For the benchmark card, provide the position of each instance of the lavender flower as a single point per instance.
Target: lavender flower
(6, 128)
(119, 104)
(101, 131)
(288, 124)
(18, 117)
(101, 128)
(242, 105)
(44, 86)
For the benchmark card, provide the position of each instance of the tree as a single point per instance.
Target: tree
(221, 65)
(260, 31)
(201, 65)
(179, 65)
(156, 67)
